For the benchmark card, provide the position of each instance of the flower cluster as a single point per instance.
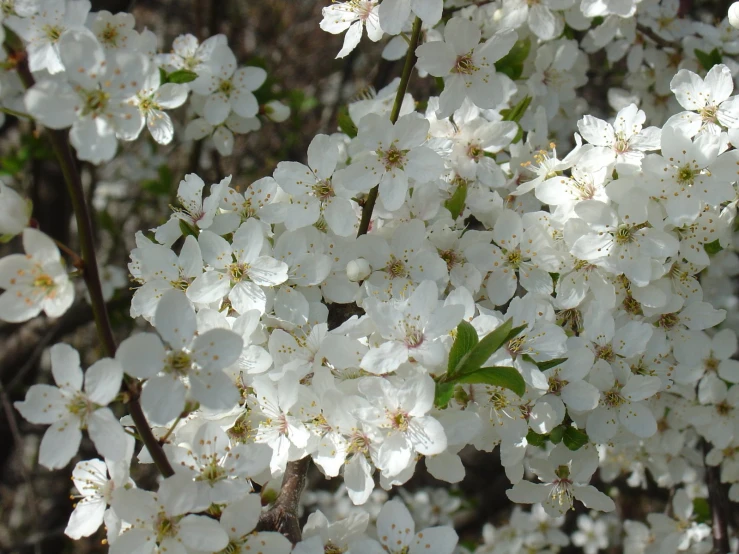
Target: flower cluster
(561, 305)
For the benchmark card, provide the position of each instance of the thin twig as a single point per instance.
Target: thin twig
(91, 274)
(663, 43)
(410, 61)
(719, 506)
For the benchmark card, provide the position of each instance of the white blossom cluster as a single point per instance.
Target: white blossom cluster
(566, 306)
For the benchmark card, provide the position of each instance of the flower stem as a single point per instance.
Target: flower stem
(410, 61)
(89, 267)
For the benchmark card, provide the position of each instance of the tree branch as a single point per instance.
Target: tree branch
(283, 515)
(410, 61)
(719, 507)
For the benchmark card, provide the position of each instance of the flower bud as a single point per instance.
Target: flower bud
(358, 270)
(15, 212)
(734, 15)
(276, 111)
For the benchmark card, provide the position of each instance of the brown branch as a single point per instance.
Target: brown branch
(90, 272)
(661, 42)
(719, 504)
(283, 515)
(410, 61)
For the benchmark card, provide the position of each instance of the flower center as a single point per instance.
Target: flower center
(413, 338)
(393, 158)
(465, 65)
(668, 321)
(94, 102)
(109, 35)
(515, 346)
(396, 268)
(711, 364)
(475, 152)
(625, 234)
(165, 527)
(324, 189)
(605, 353)
(709, 114)
(556, 384)
(514, 258)
(226, 87)
(613, 398)
(399, 420)
(52, 32)
(178, 363)
(44, 281)
(686, 175)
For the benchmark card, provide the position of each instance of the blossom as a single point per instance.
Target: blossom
(411, 328)
(69, 408)
(467, 67)
(395, 528)
(34, 282)
(397, 155)
(43, 28)
(162, 520)
(196, 359)
(15, 211)
(351, 17)
(97, 481)
(315, 193)
(95, 100)
(565, 475)
(400, 412)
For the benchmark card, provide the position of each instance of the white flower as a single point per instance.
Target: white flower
(229, 89)
(162, 520)
(540, 18)
(153, 99)
(91, 479)
(15, 211)
(220, 470)
(709, 101)
(114, 31)
(189, 55)
(95, 100)
(69, 408)
(239, 269)
(622, 143)
(591, 534)
(198, 359)
(351, 16)
(399, 411)
(396, 530)
(565, 475)
(35, 282)
(239, 520)
(397, 156)
(411, 329)
(315, 193)
(467, 66)
(394, 13)
(284, 432)
(734, 15)
(43, 30)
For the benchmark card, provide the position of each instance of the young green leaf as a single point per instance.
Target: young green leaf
(512, 63)
(455, 204)
(574, 439)
(708, 59)
(557, 433)
(485, 348)
(498, 376)
(345, 122)
(465, 341)
(535, 439)
(443, 394)
(543, 366)
(182, 76)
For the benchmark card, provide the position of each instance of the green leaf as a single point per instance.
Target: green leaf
(443, 394)
(512, 63)
(516, 112)
(474, 359)
(708, 60)
(345, 123)
(456, 203)
(543, 366)
(465, 341)
(498, 376)
(181, 76)
(713, 247)
(575, 439)
(535, 439)
(557, 433)
(702, 510)
(187, 229)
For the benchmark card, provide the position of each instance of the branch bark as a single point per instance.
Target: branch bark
(283, 515)
(719, 504)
